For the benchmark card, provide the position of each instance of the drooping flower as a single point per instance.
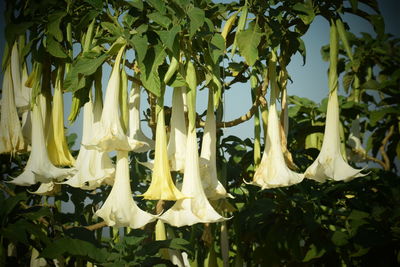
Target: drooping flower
(110, 135)
(135, 131)
(11, 138)
(119, 209)
(208, 166)
(94, 167)
(196, 208)
(330, 163)
(273, 171)
(161, 186)
(57, 147)
(177, 139)
(39, 167)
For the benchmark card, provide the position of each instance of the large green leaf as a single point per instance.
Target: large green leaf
(140, 44)
(248, 42)
(150, 78)
(168, 37)
(53, 26)
(160, 19)
(306, 11)
(217, 47)
(74, 247)
(55, 48)
(197, 17)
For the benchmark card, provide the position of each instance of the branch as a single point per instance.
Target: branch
(385, 163)
(96, 226)
(260, 99)
(385, 157)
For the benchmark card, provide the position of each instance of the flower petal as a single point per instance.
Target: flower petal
(119, 209)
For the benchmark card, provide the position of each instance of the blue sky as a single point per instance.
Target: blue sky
(308, 81)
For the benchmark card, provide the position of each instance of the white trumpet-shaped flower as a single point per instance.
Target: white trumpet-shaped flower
(208, 162)
(161, 186)
(11, 138)
(39, 167)
(273, 170)
(93, 167)
(196, 208)
(57, 147)
(330, 163)
(110, 135)
(135, 131)
(119, 209)
(177, 139)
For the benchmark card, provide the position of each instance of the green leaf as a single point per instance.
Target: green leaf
(197, 17)
(155, 56)
(112, 28)
(97, 4)
(55, 48)
(168, 37)
(217, 47)
(11, 202)
(74, 247)
(136, 3)
(378, 23)
(340, 238)
(53, 26)
(88, 66)
(313, 253)
(140, 44)
(248, 42)
(159, 5)
(377, 115)
(159, 19)
(306, 11)
(35, 213)
(177, 80)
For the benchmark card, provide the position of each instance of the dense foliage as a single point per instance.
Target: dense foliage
(354, 223)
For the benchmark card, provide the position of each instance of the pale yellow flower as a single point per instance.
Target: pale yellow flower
(110, 135)
(176, 148)
(39, 168)
(208, 162)
(94, 167)
(162, 186)
(119, 209)
(57, 147)
(11, 138)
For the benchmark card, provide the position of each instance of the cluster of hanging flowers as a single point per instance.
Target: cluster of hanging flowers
(35, 123)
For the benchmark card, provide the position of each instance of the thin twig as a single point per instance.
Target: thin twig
(383, 146)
